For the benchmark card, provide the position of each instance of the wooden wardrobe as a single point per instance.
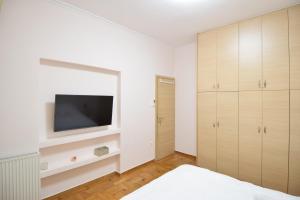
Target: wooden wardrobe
(248, 100)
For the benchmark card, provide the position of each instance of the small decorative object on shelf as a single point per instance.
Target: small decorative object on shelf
(44, 165)
(74, 158)
(100, 151)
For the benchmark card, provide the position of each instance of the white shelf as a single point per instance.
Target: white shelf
(76, 138)
(79, 163)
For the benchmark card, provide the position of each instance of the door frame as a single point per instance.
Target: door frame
(157, 77)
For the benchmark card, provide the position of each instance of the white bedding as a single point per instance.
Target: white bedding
(189, 182)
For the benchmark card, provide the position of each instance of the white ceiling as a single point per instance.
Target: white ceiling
(176, 21)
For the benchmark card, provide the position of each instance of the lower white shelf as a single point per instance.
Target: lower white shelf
(52, 170)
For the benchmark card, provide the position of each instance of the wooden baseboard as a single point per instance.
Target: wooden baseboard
(137, 167)
(149, 162)
(187, 155)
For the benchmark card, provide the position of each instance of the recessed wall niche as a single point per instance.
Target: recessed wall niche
(58, 148)
(58, 77)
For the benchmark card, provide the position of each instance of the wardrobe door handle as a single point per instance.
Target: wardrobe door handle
(218, 85)
(265, 84)
(259, 84)
(214, 125)
(258, 129)
(265, 130)
(214, 86)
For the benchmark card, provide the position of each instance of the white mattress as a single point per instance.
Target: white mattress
(189, 182)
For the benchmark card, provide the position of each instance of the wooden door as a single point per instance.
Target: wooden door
(250, 136)
(165, 116)
(275, 139)
(294, 35)
(227, 58)
(275, 51)
(207, 61)
(207, 147)
(227, 133)
(250, 55)
(294, 162)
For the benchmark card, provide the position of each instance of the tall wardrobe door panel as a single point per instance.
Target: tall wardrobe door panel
(275, 50)
(250, 55)
(294, 163)
(250, 136)
(275, 139)
(207, 61)
(227, 133)
(294, 35)
(206, 156)
(227, 58)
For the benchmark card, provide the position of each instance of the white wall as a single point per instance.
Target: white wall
(185, 75)
(18, 114)
(34, 29)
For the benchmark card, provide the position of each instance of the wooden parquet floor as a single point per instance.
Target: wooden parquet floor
(114, 186)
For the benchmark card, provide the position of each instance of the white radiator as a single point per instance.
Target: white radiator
(20, 178)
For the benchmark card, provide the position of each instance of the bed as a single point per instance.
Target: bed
(189, 182)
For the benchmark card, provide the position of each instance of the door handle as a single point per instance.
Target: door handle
(218, 85)
(259, 84)
(265, 130)
(265, 84)
(159, 119)
(258, 129)
(214, 125)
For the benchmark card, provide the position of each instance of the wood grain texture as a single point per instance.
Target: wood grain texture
(227, 58)
(275, 140)
(207, 136)
(250, 136)
(294, 36)
(165, 111)
(275, 50)
(207, 61)
(227, 133)
(250, 55)
(268, 51)
(115, 186)
(294, 161)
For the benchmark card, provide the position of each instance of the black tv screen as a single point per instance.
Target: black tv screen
(81, 111)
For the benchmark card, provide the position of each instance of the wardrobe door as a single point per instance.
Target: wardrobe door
(227, 133)
(294, 164)
(250, 55)
(275, 51)
(227, 58)
(207, 61)
(275, 139)
(250, 136)
(206, 156)
(294, 35)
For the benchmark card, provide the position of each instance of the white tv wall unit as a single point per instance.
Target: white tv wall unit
(59, 149)
(76, 138)
(84, 158)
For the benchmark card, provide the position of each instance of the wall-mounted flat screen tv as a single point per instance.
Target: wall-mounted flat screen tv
(81, 111)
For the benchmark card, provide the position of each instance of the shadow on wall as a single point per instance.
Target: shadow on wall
(56, 63)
